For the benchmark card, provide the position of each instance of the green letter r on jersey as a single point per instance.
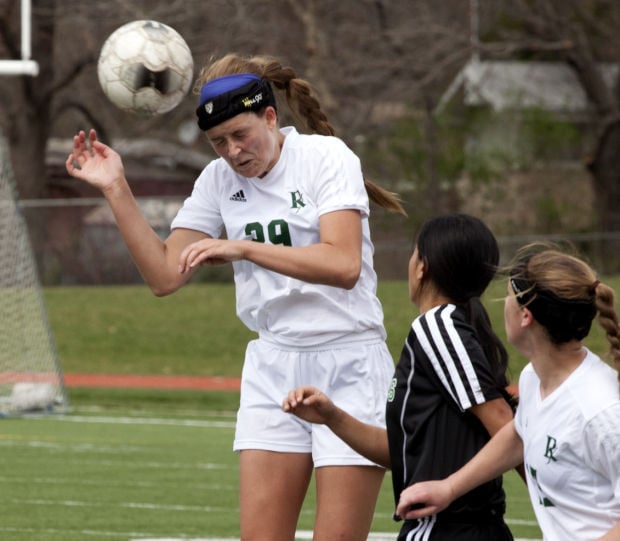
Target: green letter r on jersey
(297, 200)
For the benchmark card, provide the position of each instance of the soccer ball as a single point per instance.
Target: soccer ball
(145, 67)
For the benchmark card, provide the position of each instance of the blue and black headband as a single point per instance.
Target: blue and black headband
(230, 95)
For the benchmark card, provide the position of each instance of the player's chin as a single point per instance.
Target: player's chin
(248, 169)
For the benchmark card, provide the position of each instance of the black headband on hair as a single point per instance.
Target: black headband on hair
(250, 97)
(565, 319)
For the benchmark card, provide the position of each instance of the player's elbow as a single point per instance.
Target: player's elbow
(161, 292)
(163, 288)
(350, 282)
(349, 275)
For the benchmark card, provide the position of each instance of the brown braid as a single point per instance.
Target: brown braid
(301, 101)
(608, 319)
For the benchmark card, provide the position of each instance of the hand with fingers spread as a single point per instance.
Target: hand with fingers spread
(94, 162)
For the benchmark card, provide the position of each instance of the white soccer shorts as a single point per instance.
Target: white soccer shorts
(356, 376)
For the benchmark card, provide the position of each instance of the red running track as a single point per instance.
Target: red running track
(201, 383)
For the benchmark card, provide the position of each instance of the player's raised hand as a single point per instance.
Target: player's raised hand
(94, 162)
(309, 404)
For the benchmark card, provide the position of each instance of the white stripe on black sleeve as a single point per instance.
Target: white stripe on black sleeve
(434, 342)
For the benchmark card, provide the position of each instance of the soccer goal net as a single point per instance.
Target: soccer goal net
(30, 376)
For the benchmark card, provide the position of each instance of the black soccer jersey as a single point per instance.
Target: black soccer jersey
(442, 372)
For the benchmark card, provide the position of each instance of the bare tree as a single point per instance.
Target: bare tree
(367, 59)
(66, 39)
(359, 56)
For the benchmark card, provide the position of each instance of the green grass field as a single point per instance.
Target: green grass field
(145, 464)
(127, 330)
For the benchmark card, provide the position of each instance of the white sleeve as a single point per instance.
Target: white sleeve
(201, 210)
(602, 444)
(339, 182)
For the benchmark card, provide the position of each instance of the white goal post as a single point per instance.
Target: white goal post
(25, 65)
(31, 380)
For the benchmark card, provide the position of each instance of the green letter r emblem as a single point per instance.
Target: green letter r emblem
(297, 200)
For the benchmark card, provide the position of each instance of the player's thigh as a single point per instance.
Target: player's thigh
(346, 500)
(272, 487)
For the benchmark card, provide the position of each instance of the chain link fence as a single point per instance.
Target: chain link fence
(76, 242)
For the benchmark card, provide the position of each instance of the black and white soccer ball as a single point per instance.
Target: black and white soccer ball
(145, 67)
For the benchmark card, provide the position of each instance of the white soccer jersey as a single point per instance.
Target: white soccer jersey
(572, 451)
(314, 175)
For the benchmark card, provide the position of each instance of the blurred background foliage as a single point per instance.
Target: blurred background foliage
(507, 109)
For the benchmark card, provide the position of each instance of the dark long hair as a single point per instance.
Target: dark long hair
(461, 256)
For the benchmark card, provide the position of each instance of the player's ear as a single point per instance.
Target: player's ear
(271, 117)
(527, 318)
(421, 269)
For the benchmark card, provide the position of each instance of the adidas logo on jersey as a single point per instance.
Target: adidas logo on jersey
(239, 196)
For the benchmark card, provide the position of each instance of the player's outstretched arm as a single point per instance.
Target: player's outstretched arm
(314, 406)
(157, 260)
(503, 452)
